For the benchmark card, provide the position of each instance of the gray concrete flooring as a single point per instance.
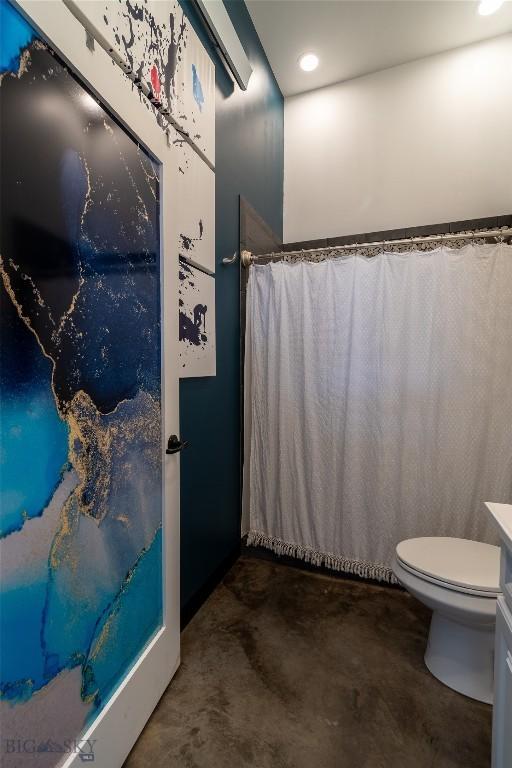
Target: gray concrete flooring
(283, 668)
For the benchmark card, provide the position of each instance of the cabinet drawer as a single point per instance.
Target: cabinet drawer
(506, 576)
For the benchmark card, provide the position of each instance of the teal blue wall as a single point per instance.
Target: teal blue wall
(249, 162)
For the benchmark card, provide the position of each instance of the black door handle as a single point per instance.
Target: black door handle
(175, 445)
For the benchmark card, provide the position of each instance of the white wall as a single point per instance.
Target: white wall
(423, 143)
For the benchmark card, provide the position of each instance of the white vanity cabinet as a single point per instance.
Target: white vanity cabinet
(502, 713)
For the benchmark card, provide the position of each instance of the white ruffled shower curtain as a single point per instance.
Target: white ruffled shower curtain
(378, 402)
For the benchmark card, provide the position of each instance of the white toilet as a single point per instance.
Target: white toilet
(458, 580)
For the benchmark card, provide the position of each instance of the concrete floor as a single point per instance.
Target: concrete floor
(283, 668)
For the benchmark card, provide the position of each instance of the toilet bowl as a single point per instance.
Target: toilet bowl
(458, 580)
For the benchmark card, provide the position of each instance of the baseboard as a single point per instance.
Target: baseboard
(191, 607)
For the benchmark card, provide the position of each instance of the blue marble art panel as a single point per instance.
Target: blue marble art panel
(80, 387)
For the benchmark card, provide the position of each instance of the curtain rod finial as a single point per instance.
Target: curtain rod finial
(246, 258)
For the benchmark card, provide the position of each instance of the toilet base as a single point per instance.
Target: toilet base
(462, 657)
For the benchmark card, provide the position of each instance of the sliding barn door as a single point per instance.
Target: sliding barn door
(88, 300)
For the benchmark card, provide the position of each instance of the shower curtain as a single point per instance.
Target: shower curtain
(378, 402)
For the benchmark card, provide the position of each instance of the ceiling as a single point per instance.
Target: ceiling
(356, 37)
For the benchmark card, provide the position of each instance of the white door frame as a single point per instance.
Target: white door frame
(123, 717)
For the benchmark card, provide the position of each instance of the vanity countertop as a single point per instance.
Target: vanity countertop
(502, 514)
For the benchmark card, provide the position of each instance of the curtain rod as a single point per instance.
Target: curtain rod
(247, 258)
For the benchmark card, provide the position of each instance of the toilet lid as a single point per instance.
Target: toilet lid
(461, 562)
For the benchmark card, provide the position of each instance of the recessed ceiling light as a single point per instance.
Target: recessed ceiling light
(487, 7)
(309, 61)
